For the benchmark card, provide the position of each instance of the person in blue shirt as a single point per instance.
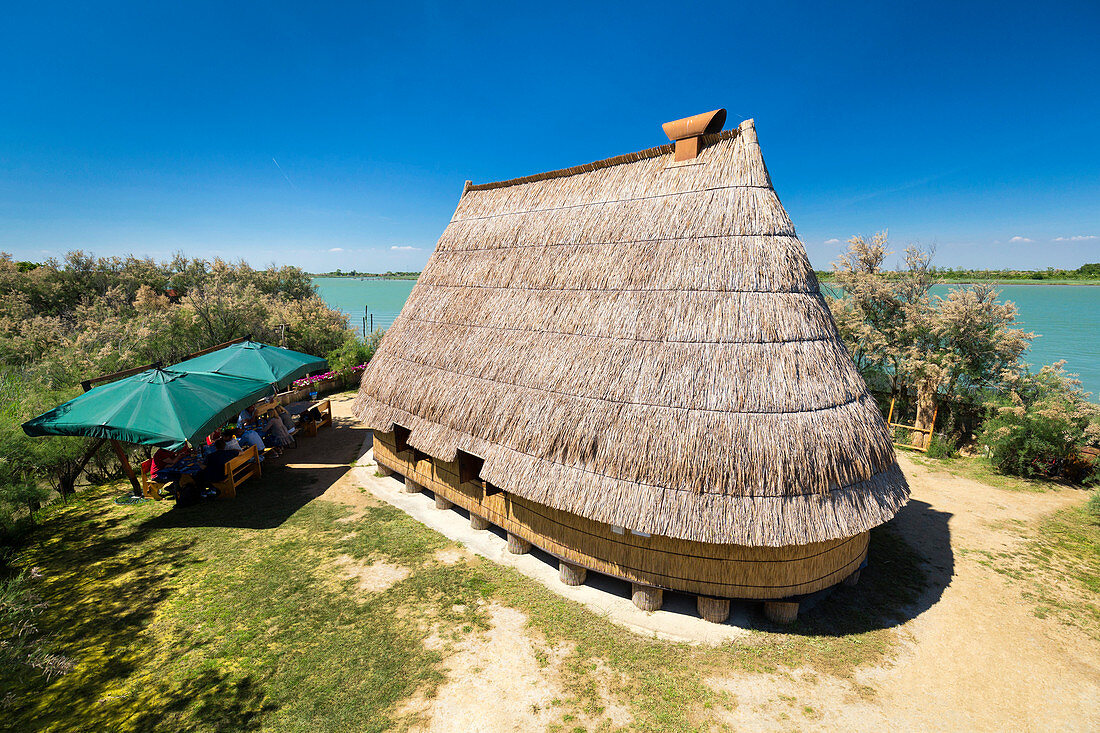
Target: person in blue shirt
(251, 437)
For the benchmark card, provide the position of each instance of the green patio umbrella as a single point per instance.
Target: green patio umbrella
(253, 360)
(161, 407)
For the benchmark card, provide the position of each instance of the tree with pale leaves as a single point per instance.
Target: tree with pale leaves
(910, 341)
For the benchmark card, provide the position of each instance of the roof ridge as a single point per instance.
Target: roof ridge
(598, 164)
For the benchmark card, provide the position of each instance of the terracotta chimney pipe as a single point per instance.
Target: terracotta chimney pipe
(686, 132)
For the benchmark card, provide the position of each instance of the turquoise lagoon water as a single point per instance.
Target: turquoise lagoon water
(359, 297)
(1065, 317)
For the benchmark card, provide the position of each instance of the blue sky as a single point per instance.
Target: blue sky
(328, 135)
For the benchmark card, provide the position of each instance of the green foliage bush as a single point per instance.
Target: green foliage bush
(1039, 425)
(354, 352)
(29, 468)
(62, 322)
(1093, 506)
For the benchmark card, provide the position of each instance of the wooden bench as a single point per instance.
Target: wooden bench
(265, 407)
(325, 408)
(239, 469)
(151, 489)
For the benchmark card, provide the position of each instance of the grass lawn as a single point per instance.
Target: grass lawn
(1059, 568)
(235, 616)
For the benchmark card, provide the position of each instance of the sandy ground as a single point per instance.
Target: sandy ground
(974, 658)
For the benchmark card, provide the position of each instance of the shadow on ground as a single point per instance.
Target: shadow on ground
(287, 484)
(104, 580)
(209, 700)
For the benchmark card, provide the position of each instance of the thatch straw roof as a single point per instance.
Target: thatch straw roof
(643, 343)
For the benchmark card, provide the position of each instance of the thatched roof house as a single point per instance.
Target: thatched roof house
(639, 343)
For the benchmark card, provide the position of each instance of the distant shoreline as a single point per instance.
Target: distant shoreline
(827, 278)
(824, 277)
(1084, 281)
(413, 276)
(1039, 283)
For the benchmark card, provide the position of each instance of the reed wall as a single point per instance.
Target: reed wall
(719, 570)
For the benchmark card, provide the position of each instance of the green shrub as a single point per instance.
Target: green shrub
(354, 352)
(940, 447)
(1093, 506)
(1040, 425)
(61, 322)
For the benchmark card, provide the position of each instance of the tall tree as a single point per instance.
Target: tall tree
(908, 340)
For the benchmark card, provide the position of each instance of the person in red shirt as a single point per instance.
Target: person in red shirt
(164, 461)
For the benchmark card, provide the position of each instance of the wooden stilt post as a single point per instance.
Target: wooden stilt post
(646, 597)
(852, 580)
(518, 545)
(384, 470)
(715, 610)
(477, 522)
(571, 574)
(126, 467)
(89, 453)
(442, 502)
(780, 612)
(411, 487)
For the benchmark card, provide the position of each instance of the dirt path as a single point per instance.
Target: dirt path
(974, 658)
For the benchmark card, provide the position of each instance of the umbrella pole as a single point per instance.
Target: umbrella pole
(126, 466)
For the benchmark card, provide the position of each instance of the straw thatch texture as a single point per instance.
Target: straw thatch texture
(642, 343)
(716, 570)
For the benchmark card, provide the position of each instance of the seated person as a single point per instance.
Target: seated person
(231, 442)
(249, 438)
(312, 415)
(167, 465)
(247, 418)
(275, 431)
(173, 466)
(213, 437)
(286, 418)
(214, 472)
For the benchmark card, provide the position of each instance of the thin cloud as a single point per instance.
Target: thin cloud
(1018, 238)
(336, 249)
(284, 173)
(834, 240)
(404, 248)
(1077, 238)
